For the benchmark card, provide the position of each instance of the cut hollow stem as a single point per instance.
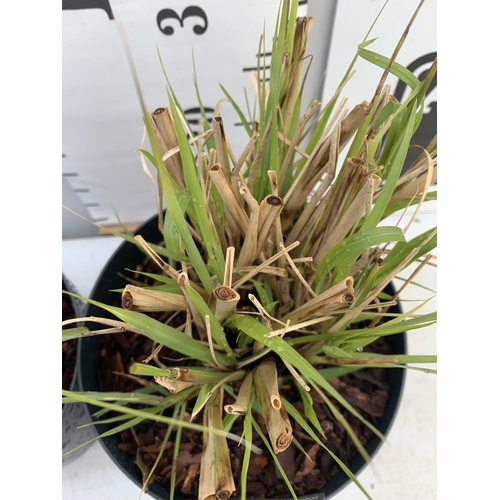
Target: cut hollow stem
(216, 477)
(277, 421)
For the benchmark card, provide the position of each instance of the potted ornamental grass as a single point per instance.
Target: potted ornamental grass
(248, 341)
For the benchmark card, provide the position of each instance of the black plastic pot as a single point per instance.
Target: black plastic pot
(127, 256)
(75, 415)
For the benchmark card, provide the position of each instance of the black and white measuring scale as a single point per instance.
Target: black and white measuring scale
(101, 116)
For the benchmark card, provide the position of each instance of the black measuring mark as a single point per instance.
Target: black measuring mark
(191, 11)
(88, 4)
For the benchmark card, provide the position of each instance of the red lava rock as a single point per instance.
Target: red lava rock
(256, 465)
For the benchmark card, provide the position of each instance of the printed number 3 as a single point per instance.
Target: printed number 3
(191, 11)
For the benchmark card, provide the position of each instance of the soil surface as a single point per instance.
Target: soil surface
(367, 390)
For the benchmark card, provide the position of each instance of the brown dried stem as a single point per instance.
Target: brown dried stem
(140, 299)
(339, 295)
(232, 205)
(164, 130)
(226, 300)
(241, 405)
(276, 420)
(216, 477)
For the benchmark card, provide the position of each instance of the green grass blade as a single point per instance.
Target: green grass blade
(216, 329)
(396, 167)
(201, 400)
(148, 475)
(253, 328)
(197, 374)
(395, 207)
(169, 191)
(139, 413)
(162, 333)
(74, 333)
(229, 421)
(119, 428)
(409, 324)
(381, 61)
(247, 435)
(177, 444)
(206, 123)
(402, 251)
(338, 371)
(309, 408)
(135, 397)
(159, 277)
(235, 106)
(345, 253)
(337, 338)
(207, 230)
(171, 234)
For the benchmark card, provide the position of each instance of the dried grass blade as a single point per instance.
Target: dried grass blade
(216, 477)
(249, 247)
(310, 112)
(297, 272)
(254, 167)
(355, 311)
(277, 422)
(231, 376)
(296, 375)
(174, 386)
(351, 216)
(218, 333)
(228, 270)
(335, 297)
(245, 154)
(298, 326)
(313, 211)
(226, 300)
(351, 177)
(164, 130)
(221, 143)
(195, 314)
(269, 211)
(231, 203)
(141, 299)
(240, 407)
(258, 268)
(271, 270)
